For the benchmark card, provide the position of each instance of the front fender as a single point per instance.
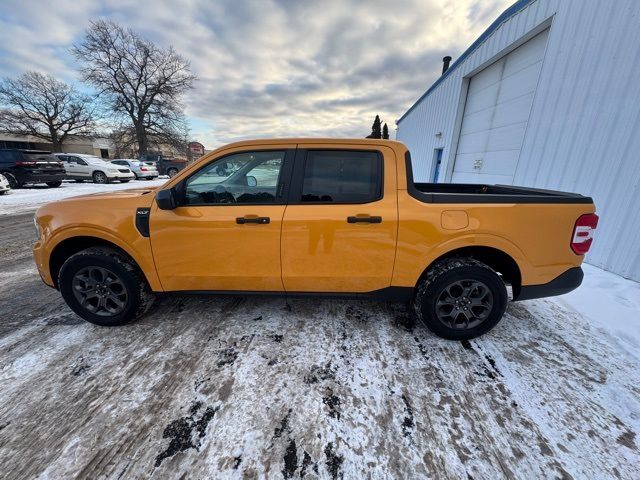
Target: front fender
(136, 246)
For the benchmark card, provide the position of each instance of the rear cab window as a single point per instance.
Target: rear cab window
(341, 177)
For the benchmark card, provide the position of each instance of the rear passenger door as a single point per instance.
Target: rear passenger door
(81, 169)
(70, 166)
(340, 227)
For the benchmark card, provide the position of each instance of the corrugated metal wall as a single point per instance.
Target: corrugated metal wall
(583, 134)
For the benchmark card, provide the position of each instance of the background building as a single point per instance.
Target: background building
(100, 147)
(548, 96)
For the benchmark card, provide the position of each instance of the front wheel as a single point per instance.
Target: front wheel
(104, 287)
(54, 184)
(99, 177)
(460, 298)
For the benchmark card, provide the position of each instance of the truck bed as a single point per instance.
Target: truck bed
(482, 193)
(472, 193)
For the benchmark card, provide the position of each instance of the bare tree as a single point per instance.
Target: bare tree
(141, 83)
(41, 106)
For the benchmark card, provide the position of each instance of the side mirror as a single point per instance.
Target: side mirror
(166, 199)
(252, 181)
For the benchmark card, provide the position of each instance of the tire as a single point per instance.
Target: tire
(455, 289)
(172, 172)
(54, 184)
(125, 298)
(100, 177)
(13, 181)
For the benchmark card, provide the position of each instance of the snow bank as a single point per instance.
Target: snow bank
(31, 197)
(611, 304)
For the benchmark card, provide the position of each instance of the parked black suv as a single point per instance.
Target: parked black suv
(31, 166)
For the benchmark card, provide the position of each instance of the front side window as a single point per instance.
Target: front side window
(247, 177)
(342, 176)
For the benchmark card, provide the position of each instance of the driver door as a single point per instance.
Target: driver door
(225, 233)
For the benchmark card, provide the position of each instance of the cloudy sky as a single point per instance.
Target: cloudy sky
(268, 68)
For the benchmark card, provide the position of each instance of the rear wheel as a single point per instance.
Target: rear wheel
(172, 172)
(460, 298)
(13, 181)
(104, 287)
(99, 177)
(54, 184)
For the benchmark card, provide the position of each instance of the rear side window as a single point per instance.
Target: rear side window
(10, 156)
(342, 176)
(43, 157)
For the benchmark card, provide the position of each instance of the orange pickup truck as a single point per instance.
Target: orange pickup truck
(316, 217)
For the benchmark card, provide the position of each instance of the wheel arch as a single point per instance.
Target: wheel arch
(498, 260)
(72, 245)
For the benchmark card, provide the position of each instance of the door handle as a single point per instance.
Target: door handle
(367, 219)
(258, 220)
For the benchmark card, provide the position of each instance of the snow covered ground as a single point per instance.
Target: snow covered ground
(32, 196)
(611, 305)
(233, 387)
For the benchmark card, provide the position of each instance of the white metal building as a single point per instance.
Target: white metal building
(548, 96)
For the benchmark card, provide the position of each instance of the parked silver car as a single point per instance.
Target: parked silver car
(139, 169)
(82, 167)
(4, 185)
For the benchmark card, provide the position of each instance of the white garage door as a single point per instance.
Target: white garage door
(496, 113)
